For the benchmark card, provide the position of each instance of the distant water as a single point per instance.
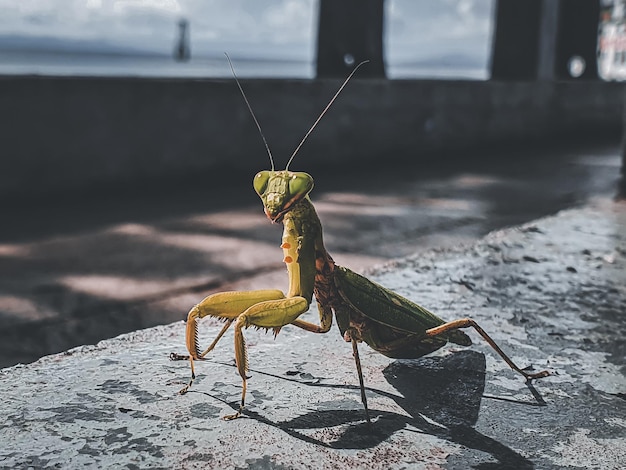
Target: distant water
(82, 64)
(77, 64)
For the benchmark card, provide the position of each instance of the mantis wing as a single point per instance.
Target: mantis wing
(387, 308)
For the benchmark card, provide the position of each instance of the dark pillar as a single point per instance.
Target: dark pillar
(546, 39)
(577, 38)
(350, 31)
(515, 44)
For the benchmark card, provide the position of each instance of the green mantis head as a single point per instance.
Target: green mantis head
(281, 190)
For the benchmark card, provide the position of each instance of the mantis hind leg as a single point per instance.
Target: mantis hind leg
(467, 323)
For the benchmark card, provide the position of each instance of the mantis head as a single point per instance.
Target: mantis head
(281, 190)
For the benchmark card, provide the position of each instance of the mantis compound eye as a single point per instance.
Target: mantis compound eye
(300, 184)
(260, 181)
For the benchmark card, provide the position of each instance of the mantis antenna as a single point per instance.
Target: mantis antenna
(324, 112)
(267, 147)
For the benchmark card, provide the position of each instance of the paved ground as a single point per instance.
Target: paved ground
(552, 293)
(78, 269)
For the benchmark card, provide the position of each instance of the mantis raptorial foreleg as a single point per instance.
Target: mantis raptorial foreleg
(224, 305)
(271, 314)
(190, 358)
(261, 308)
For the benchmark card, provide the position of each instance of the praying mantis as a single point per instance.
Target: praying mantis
(365, 311)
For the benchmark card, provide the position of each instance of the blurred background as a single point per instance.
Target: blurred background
(128, 153)
(269, 38)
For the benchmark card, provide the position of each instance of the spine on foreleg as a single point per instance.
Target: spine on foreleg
(192, 332)
(241, 352)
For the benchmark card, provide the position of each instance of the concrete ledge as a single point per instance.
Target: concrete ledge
(552, 293)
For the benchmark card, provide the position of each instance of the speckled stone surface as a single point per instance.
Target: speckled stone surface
(551, 293)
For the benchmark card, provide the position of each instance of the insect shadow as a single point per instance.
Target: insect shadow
(441, 396)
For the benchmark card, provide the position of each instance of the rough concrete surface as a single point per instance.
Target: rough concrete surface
(551, 293)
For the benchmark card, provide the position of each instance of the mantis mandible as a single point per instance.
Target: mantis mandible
(365, 311)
